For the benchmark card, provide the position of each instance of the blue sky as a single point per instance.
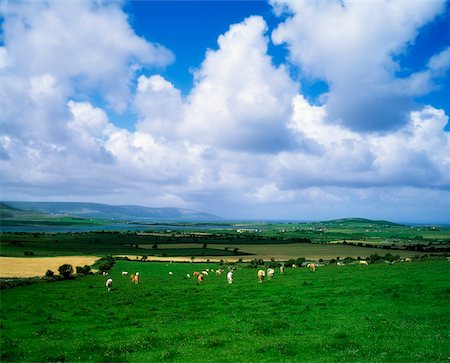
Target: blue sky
(276, 110)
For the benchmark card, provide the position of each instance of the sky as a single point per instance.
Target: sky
(297, 110)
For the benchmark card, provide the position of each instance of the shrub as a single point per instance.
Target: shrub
(375, 257)
(83, 270)
(66, 271)
(290, 262)
(389, 257)
(105, 264)
(49, 273)
(299, 261)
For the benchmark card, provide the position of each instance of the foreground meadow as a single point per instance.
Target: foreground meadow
(398, 313)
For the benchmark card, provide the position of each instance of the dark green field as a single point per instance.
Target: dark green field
(377, 313)
(238, 239)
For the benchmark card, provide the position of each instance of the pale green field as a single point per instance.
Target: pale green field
(290, 251)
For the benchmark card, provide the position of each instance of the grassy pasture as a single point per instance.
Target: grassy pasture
(66, 244)
(377, 313)
(310, 251)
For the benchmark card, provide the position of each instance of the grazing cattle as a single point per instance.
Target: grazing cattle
(339, 264)
(200, 279)
(230, 277)
(261, 275)
(109, 284)
(188, 276)
(362, 262)
(196, 273)
(407, 259)
(312, 266)
(124, 273)
(105, 273)
(219, 272)
(170, 273)
(293, 266)
(204, 272)
(270, 272)
(135, 278)
(282, 269)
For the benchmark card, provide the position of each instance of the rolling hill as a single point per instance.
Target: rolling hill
(116, 212)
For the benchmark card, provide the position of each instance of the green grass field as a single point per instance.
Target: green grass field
(376, 313)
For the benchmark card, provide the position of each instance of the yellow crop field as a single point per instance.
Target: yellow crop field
(38, 266)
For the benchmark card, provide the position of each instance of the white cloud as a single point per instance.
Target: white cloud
(159, 106)
(242, 143)
(4, 61)
(80, 43)
(415, 155)
(352, 46)
(440, 63)
(240, 100)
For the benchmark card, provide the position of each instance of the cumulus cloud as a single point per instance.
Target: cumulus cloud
(56, 140)
(83, 49)
(244, 139)
(353, 46)
(415, 155)
(159, 106)
(240, 100)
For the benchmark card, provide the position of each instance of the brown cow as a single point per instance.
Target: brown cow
(196, 273)
(261, 275)
(312, 267)
(200, 279)
(135, 278)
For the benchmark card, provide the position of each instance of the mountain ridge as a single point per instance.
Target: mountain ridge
(116, 212)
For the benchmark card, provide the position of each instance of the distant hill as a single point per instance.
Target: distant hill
(9, 212)
(117, 212)
(361, 221)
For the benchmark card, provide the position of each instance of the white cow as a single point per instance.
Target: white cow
(270, 272)
(230, 277)
(362, 262)
(109, 284)
(124, 273)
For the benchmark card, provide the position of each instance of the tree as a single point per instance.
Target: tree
(66, 271)
(49, 273)
(83, 270)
